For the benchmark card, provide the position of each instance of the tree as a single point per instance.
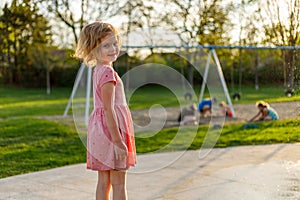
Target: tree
(6, 44)
(198, 22)
(23, 28)
(251, 37)
(281, 22)
(247, 33)
(74, 15)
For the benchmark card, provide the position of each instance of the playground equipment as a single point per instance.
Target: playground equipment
(215, 65)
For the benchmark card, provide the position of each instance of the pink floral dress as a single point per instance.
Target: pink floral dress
(100, 148)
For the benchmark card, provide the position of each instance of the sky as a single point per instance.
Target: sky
(140, 39)
(2, 2)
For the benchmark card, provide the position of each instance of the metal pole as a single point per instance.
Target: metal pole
(205, 76)
(214, 47)
(223, 81)
(77, 81)
(88, 95)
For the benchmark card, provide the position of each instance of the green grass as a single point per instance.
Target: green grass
(35, 102)
(15, 102)
(32, 144)
(268, 93)
(29, 143)
(146, 96)
(286, 131)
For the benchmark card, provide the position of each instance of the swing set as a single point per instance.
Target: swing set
(211, 62)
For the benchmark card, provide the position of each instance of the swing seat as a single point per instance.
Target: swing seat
(236, 96)
(289, 92)
(188, 96)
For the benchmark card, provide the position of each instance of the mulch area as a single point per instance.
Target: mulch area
(244, 112)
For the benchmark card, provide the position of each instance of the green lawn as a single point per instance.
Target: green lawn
(269, 93)
(31, 143)
(16, 102)
(146, 96)
(35, 102)
(285, 131)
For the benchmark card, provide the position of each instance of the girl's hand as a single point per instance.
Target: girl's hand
(121, 150)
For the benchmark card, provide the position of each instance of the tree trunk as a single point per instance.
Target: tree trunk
(9, 68)
(48, 80)
(9, 63)
(190, 73)
(232, 78)
(290, 69)
(240, 71)
(256, 71)
(284, 67)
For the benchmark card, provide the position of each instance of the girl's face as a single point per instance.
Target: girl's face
(261, 108)
(108, 50)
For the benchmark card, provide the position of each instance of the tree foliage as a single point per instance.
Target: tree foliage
(281, 23)
(28, 53)
(199, 22)
(75, 14)
(24, 30)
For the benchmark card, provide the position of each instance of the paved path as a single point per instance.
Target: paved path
(270, 172)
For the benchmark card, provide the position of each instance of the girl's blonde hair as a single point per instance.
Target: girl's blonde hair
(90, 37)
(262, 103)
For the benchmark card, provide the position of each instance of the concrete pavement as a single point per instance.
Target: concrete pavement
(266, 172)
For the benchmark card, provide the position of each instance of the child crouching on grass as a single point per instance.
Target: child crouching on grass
(266, 112)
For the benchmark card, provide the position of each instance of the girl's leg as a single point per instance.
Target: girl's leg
(205, 110)
(103, 186)
(118, 181)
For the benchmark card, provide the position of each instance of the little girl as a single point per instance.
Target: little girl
(110, 141)
(265, 112)
(225, 109)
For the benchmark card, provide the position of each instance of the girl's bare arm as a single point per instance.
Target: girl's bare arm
(255, 116)
(108, 99)
(264, 113)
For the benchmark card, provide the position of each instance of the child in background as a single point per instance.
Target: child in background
(265, 112)
(205, 106)
(188, 115)
(225, 109)
(110, 140)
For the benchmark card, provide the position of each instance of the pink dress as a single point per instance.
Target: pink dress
(100, 148)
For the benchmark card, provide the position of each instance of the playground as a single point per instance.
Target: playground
(244, 112)
(32, 124)
(213, 88)
(260, 163)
